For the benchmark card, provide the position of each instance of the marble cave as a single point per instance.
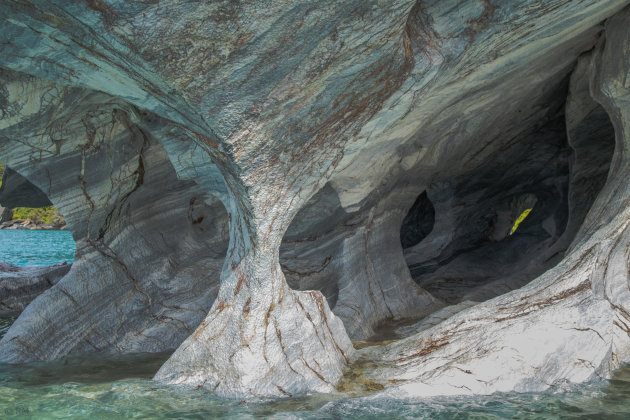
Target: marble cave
(387, 197)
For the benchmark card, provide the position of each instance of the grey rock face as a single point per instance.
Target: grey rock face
(569, 324)
(6, 214)
(149, 246)
(17, 191)
(19, 286)
(356, 260)
(236, 176)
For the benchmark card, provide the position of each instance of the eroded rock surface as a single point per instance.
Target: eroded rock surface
(571, 323)
(17, 191)
(149, 247)
(20, 285)
(236, 176)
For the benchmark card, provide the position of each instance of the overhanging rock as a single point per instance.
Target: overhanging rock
(236, 176)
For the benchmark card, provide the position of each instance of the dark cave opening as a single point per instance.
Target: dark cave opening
(312, 245)
(467, 238)
(502, 225)
(478, 230)
(418, 222)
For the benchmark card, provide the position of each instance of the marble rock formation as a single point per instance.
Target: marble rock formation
(20, 285)
(253, 185)
(17, 191)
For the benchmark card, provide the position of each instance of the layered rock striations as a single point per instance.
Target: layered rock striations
(17, 191)
(254, 185)
(19, 286)
(142, 236)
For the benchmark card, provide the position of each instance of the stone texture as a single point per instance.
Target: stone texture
(149, 247)
(306, 132)
(20, 285)
(17, 191)
(6, 214)
(356, 259)
(568, 325)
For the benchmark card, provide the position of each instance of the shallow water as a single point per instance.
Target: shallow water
(120, 387)
(36, 247)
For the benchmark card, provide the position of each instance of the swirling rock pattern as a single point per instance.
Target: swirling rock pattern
(19, 286)
(236, 175)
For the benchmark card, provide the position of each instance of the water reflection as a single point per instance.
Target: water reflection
(120, 387)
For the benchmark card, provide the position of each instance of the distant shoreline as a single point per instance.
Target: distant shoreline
(29, 225)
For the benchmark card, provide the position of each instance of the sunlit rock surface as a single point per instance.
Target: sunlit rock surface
(256, 184)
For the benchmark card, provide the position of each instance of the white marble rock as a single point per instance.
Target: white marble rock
(237, 174)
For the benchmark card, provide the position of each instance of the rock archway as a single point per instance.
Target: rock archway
(570, 323)
(21, 285)
(142, 235)
(321, 124)
(476, 250)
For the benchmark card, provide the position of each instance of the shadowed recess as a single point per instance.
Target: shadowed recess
(513, 218)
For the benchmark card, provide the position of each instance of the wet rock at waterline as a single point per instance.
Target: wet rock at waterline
(254, 185)
(20, 285)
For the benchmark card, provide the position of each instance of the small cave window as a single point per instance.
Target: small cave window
(312, 242)
(508, 221)
(35, 247)
(25, 207)
(418, 222)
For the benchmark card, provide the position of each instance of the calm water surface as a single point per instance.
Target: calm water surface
(36, 247)
(101, 387)
(120, 387)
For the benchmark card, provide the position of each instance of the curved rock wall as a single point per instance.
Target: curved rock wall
(16, 191)
(316, 126)
(356, 259)
(149, 246)
(19, 286)
(568, 325)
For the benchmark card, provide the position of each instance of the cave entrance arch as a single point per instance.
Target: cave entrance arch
(355, 261)
(149, 250)
(312, 245)
(466, 238)
(35, 249)
(503, 225)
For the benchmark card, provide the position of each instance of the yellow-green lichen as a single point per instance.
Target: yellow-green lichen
(520, 219)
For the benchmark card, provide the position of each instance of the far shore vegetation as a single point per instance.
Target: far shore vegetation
(47, 215)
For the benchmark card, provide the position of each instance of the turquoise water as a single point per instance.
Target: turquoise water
(36, 247)
(119, 388)
(107, 387)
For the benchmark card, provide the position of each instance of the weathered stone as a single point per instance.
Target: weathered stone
(17, 191)
(149, 247)
(311, 129)
(571, 323)
(6, 214)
